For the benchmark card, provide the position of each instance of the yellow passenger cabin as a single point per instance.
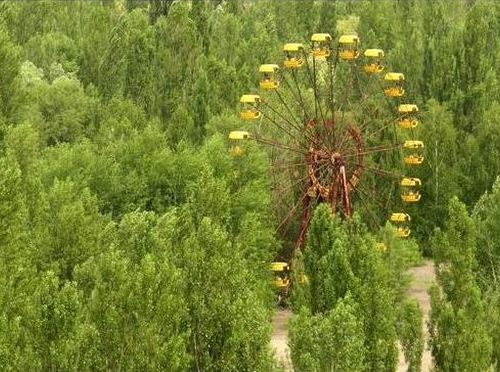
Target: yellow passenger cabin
(407, 116)
(399, 217)
(413, 152)
(373, 61)
(400, 221)
(269, 80)
(235, 137)
(294, 55)
(348, 47)
(235, 151)
(321, 45)
(281, 275)
(250, 103)
(394, 84)
(403, 232)
(238, 135)
(410, 193)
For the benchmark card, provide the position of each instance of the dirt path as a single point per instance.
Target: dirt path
(279, 339)
(423, 277)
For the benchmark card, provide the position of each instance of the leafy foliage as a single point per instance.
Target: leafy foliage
(458, 328)
(130, 239)
(343, 269)
(410, 334)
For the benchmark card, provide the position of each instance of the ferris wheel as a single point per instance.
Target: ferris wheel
(338, 131)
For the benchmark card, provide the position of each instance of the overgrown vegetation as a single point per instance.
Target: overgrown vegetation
(349, 303)
(131, 240)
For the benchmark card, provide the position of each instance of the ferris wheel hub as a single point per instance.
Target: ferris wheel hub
(336, 158)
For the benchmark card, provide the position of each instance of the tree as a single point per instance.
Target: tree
(332, 342)
(410, 334)
(136, 311)
(340, 258)
(227, 318)
(326, 260)
(458, 329)
(158, 8)
(61, 108)
(439, 170)
(198, 106)
(9, 70)
(49, 50)
(486, 214)
(74, 228)
(139, 52)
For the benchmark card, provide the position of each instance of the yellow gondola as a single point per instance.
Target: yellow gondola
(407, 116)
(294, 55)
(403, 232)
(411, 191)
(400, 220)
(348, 47)
(381, 247)
(394, 84)
(269, 80)
(414, 157)
(235, 137)
(250, 103)
(321, 45)
(400, 217)
(238, 135)
(281, 273)
(373, 59)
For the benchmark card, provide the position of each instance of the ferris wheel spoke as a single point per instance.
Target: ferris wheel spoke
(342, 127)
(377, 171)
(294, 75)
(375, 195)
(298, 99)
(384, 204)
(371, 135)
(306, 219)
(366, 206)
(278, 195)
(277, 144)
(365, 93)
(302, 132)
(287, 165)
(362, 95)
(383, 129)
(350, 88)
(312, 79)
(368, 118)
(375, 149)
(292, 211)
(342, 147)
(298, 139)
(291, 186)
(332, 71)
(290, 112)
(370, 114)
(320, 170)
(268, 117)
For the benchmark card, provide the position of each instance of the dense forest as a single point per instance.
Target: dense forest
(132, 240)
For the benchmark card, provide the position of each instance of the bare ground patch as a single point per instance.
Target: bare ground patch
(422, 279)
